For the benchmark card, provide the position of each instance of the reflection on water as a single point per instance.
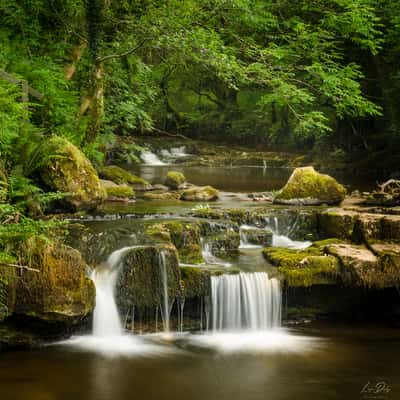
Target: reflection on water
(336, 367)
(243, 178)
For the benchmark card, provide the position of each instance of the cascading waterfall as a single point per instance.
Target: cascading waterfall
(150, 158)
(244, 241)
(208, 257)
(280, 240)
(249, 301)
(106, 321)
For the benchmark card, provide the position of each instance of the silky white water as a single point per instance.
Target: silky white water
(209, 258)
(249, 301)
(150, 158)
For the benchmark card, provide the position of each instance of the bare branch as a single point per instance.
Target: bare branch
(126, 53)
(19, 266)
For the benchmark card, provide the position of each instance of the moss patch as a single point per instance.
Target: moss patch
(195, 282)
(121, 191)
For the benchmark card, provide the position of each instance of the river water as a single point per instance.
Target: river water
(333, 362)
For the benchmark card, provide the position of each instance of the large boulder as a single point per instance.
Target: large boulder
(140, 280)
(308, 187)
(68, 170)
(60, 291)
(200, 193)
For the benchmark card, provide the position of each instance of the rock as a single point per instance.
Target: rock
(118, 192)
(160, 187)
(69, 171)
(140, 282)
(61, 292)
(305, 267)
(200, 193)
(308, 187)
(184, 236)
(337, 223)
(175, 180)
(364, 268)
(256, 236)
(3, 184)
(226, 244)
(119, 175)
(161, 195)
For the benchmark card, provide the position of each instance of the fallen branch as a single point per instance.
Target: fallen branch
(170, 134)
(19, 266)
(391, 185)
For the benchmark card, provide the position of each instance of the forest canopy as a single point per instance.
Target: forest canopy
(279, 73)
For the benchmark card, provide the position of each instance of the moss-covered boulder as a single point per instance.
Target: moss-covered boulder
(185, 236)
(308, 187)
(175, 180)
(60, 292)
(140, 280)
(68, 170)
(3, 184)
(256, 236)
(338, 223)
(120, 176)
(305, 267)
(200, 193)
(118, 192)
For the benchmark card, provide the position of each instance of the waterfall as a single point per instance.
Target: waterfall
(279, 240)
(106, 321)
(150, 158)
(165, 310)
(245, 301)
(208, 257)
(245, 243)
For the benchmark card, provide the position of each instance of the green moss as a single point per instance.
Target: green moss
(306, 183)
(3, 184)
(119, 175)
(174, 179)
(336, 224)
(161, 195)
(68, 170)
(122, 191)
(305, 267)
(195, 282)
(203, 193)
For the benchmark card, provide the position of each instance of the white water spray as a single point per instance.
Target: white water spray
(150, 158)
(164, 279)
(244, 239)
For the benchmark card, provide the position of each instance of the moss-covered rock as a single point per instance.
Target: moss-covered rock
(60, 291)
(8, 282)
(118, 192)
(338, 223)
(225, 244)
(195, 282)
(121, 176)
(256, 236)
(161, 195)
(200, 193)
(308, 187)
(175, 179)
(361, 267)
(140, 281)
(69, 171)
(305, 267)
(185, 236)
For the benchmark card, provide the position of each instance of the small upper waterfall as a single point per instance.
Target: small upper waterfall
(245, 301)
(150, 158)
(244, 240)
(106, 321)
(208, 257)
